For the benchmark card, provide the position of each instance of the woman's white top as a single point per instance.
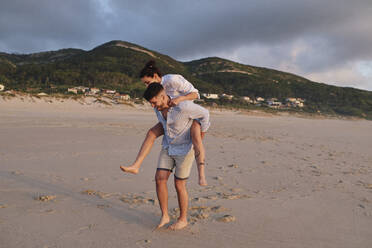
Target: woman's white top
(175, 85)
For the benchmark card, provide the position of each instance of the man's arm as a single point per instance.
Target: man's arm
(184, 88)
(191, 96)
(155, 132)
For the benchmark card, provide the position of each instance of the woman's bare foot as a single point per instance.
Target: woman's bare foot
(203, 181)
(130, 169)
(178, 225)
(163, 221)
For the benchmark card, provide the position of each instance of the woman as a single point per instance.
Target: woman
(178, 89)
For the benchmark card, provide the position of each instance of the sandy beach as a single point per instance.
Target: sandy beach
(274, 181)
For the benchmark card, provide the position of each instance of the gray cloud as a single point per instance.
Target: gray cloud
(35, 25)
(305, 37)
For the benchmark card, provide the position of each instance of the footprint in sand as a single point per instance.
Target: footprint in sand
(84, 228)
(45, 198)
(365, 200)
(198, 213)
(143, 242)
(219, 209)
(137, 199)
(16, 173)
(221, 195)
(368, 186)
(226, 218)
(235, 190)
(200, 216)
(48, 211)
(103, 206)
(198, 199)
(97, 193)
(211, 197)
(232, 196)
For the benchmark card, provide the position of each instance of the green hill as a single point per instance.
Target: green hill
(244, 80)
(116, 64)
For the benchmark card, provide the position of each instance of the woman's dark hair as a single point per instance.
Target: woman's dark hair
(149, 70)
(152, 90)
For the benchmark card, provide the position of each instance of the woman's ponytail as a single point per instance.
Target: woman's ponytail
(150, 69)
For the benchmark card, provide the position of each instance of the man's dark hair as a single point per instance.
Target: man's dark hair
(149, 70)
(152, 90)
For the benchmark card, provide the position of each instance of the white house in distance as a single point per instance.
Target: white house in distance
(78, 89)
(274, 104)
(230, 97)
(72, 90)
(2, 87)
(110, 91)
(94, 91)
(247, 99)
(210, 96)
(82, 89)
(291, 99)
(122, 97)
(125, 97)
(260, 99)
(295, 102)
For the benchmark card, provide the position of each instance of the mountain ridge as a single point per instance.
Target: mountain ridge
(116, 64)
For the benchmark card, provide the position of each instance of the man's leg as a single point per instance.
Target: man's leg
(161, 179)
(183, 202)
(199, 151)
(181, 174)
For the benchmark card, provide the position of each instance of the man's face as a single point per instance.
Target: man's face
(159, 102)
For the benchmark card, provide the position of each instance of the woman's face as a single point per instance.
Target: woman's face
(148, 80)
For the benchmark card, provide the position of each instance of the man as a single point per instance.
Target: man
(177, 153)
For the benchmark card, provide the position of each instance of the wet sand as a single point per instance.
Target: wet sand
(274, 181)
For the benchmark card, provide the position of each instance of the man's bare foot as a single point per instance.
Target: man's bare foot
(130, 169)
(203, 181)
(178, 225)
(163, 221)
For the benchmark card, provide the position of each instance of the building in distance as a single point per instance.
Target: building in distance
(229, 97)
(210, 96)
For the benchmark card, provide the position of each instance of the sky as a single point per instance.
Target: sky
(327, 41)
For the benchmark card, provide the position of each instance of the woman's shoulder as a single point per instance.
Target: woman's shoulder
(171, 77)
(170, 80)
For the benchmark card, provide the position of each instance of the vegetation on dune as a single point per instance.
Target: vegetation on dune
(116, 64)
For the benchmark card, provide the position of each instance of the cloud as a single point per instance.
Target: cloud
(36, 25)
(305, 37)
(348, 75)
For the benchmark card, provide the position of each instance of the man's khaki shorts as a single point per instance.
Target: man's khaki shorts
(181, 164)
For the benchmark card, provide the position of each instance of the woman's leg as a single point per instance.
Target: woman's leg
(147, 144)
(199, 151)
